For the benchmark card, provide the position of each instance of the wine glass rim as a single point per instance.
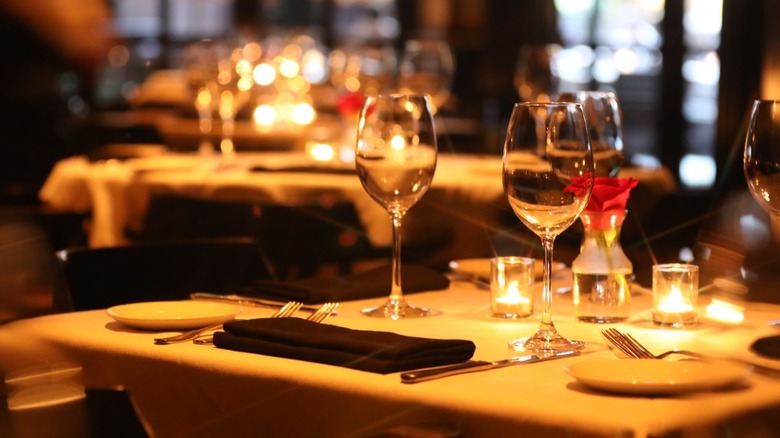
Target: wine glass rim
(396, 95)
(554, 104)
(595, 93)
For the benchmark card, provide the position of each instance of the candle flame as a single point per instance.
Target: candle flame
(512, 294)
(675, 302)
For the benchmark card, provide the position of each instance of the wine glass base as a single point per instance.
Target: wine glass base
(540, 344)
(396, 310)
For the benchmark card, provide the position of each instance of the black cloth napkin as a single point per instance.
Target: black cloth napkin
(307, 169)
(374, 351)
(372, 283)
(768, 346)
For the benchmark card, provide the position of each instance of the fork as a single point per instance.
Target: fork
(286, 310)
(631, 347)
(319, 315)
(323, 312)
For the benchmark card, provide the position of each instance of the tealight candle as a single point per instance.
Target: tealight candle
(510, 287)
(675, 292)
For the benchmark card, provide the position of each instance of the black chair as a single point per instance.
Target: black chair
(112, 414)
(300, 240)
(98, 278)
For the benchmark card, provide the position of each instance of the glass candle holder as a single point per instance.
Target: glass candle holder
(511, 279)
(675, 294)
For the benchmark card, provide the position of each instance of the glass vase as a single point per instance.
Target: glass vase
(602, 271)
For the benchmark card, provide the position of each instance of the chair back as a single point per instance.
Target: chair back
(99, 278)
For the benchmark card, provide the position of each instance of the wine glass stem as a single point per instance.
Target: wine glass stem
(547, 322)
(204, 125)
(227, 113)
(396, 295)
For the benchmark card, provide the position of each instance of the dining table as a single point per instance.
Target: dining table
(117, 192)
(465, 203)
(187, 389)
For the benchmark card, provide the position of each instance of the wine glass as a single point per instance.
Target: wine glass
(548, 177)
(234, 83)
(395, 159)
(761, 162)
(200, 62)
(427, 67)
(605, 126)
(536, 73)
(367, 70)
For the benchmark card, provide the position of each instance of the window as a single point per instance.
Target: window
(618, 44)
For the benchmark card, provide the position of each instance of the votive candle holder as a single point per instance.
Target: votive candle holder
(511, 280)
(675, 294)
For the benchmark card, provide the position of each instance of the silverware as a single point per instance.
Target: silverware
(319, 315)
(633, 349)
(323, 312)
(478, 365)
(479, 281)
(286, 310)
(484, 283)
(249, 301)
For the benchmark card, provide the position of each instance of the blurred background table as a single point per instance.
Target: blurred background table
(465, 213)
(464, 204)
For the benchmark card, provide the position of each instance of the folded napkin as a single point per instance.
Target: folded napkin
(768, 346)
(374, 351)
(307, 169)
(367, 284)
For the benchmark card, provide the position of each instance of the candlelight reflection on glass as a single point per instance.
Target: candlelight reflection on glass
(675, 293)
(725, 312)
(511, 279)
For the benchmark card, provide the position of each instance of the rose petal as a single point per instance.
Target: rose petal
(579, 184)
(611, 193)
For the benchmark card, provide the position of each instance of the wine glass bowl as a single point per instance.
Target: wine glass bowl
(219, 80)
(427, 67)
(395, 159)
(536, 72)
(605, 126)
(365, 70)
(761, 161)
(234, 84)
(548, 174)
(200, 64)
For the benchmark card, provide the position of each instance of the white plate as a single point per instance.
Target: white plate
(656, 377)
(173, 315)
(164, 163)
(481, 267)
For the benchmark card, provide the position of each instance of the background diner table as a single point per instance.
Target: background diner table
(465, 203)
(118, 191)
(195, 390)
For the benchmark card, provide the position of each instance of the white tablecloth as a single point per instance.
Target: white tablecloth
(118, 193)
(192, 390)
(465, 206)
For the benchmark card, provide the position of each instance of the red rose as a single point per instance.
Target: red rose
(579, 184)
(610, 194)
(349, 104)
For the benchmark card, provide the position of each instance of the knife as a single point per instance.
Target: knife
(250, 301)
(478, 365)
